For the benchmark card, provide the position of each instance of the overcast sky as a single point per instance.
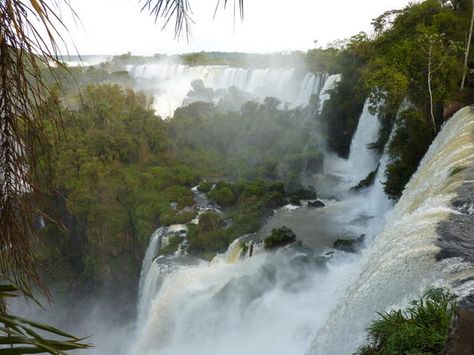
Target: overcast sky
(117, 26)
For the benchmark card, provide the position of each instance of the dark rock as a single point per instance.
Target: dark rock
(316, 204)
(349, 245)
(461, 340)
(455, 234)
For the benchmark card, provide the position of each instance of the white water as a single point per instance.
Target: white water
(170, 83)
(362, 160)
(269, 303)
(401, 262)
(261, 305)
(329, 85)
(287, 302)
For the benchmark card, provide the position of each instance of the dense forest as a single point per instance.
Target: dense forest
(120, 172)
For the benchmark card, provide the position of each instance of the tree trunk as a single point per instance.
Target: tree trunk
(468, 45)
(429, 88)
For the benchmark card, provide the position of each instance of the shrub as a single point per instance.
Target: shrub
(223, 196)
(423, 328)
(280, 237)
(205, 186)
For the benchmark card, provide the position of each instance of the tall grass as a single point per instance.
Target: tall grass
(422, 328)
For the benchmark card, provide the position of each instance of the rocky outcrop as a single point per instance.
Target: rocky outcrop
(461, 340)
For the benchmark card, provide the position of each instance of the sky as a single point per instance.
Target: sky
(118, 26)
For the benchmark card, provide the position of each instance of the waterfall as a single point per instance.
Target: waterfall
(402, 261)
(362, 160)
(170, 83)
(266, 304)
(310, 301)
(324, 93)
(147, 284)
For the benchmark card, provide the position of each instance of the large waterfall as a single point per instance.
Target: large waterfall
(170, 83)
(404, 258)
(307, 302)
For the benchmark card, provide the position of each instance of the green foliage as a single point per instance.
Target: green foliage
(205, 186)
(423, 328)
(223, 196)
(115, 178)
(260, 142)
(208, 238)
(412, 138)
(247, 204)
(392, 67)
(340, 114)
(172, 245)
(24, 336)
(320, 60)
(279, 237)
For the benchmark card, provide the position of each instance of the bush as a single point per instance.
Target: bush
(205, 186)
(279, 238)
(423, 328)
(172, 246)
(223, 196)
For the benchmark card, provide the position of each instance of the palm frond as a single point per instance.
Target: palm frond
(181, 12)
(31, 32)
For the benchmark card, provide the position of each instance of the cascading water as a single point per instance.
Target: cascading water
(362, 160)
(267, 304)
(170, 83)
(292, 302)
(299, 300)
(402, 261)
(329, 85)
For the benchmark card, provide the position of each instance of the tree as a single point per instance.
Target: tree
(437, 49)
(468, 46)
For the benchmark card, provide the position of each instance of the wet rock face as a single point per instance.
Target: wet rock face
(461, 341)
(456, 234)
